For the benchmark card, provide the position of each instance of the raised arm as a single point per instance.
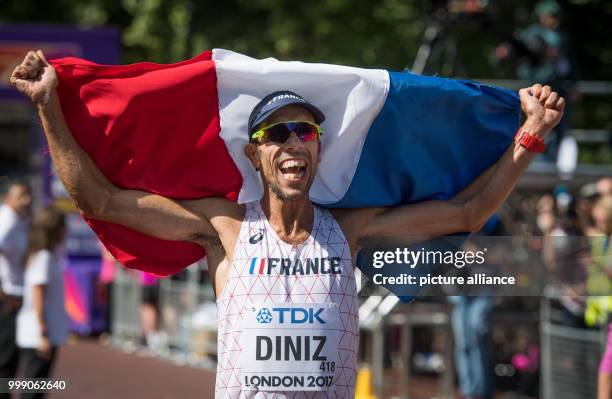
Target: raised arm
(93, 194)
(470, 208)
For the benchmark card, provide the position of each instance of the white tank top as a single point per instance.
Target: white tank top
(288, 316)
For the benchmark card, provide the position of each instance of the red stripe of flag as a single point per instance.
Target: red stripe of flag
(150, 127)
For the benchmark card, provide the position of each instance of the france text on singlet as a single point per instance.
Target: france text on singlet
(288, 318)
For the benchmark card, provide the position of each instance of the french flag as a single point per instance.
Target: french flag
(179, 130)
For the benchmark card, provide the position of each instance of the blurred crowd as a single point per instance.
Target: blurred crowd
(572, 233)
(570, 230)
(583, 266)
(33, 320)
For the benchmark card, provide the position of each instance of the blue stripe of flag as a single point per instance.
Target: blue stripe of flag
(414, 152)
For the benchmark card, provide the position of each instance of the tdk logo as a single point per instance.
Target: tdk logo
(291, 315)
(264, 316)
(291, 267)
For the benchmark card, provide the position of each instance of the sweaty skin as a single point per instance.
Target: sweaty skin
(214, 223)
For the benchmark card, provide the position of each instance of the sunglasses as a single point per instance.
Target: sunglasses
(280, 132)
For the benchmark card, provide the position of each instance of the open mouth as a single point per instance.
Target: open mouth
(293, 169)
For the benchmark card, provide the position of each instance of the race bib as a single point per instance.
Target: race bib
(289, 347)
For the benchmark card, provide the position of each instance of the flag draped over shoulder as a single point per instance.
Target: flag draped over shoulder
(155, 128)
(179, 130)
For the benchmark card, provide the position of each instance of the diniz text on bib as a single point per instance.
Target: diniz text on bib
(289, 346)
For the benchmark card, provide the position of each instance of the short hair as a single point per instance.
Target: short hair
(8, 182)
(47, 229)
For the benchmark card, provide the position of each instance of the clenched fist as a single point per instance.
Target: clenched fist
(35, 78)
(542, 107)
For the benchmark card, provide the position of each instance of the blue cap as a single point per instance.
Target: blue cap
(274, 101)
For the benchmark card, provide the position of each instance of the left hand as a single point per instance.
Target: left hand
(542, 107)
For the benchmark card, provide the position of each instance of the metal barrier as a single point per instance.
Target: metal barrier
(570, 357)
(379, 312)
(183, 304)
(125, 304)
(187, 316)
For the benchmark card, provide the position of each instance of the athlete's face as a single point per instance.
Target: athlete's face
(288, 168)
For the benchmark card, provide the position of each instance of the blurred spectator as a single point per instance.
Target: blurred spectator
(599, 281)
(42, 323)
(562, 252)
(599, 286)
(149, 312)
(543, 55)
(105, 283)
(471, 328)
(471, 322)
(546, 58)
(526, 362)
(604, 186)
(13, 243)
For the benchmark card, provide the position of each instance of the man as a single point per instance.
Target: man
(544, 55)
(471, 325)
(599, 286)
(13, 243)
(281, 267)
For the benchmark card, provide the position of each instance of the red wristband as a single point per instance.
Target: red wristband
(529, 141)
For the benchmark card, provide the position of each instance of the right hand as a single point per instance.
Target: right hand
(35, 78)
